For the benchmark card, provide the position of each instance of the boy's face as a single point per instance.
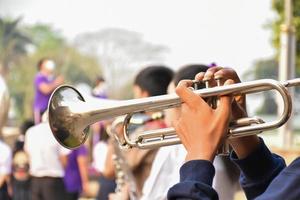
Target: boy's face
(139, 92)
(172, 113)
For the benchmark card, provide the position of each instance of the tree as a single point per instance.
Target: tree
(13, 42)
(121, 53)
(268, 68)
(48, 42)
(262, 69)
(278, 7)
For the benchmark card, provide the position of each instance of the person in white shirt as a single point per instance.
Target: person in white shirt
(164, 172)
(5, 170)
(46, 163)
(99, 156)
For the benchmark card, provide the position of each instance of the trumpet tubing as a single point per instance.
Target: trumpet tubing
(70, 115)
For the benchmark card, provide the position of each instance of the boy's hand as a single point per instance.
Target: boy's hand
(201, 128)
(224, 74)
(245, 145)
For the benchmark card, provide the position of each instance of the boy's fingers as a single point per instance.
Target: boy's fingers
(186, 94)
(199, 76)
(225, 105)
(228, 73)
(177, 128)
(210, 73)
(237, 110)
(229, 82)
(225, 101)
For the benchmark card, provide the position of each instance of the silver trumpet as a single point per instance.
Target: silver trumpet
(70, 115)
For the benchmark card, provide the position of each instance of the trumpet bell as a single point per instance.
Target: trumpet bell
(66, 125)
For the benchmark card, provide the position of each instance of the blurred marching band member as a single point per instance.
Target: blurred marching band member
(44, 84)
(19, 143)
(47, 162)
(151, 81)
(98, 129)
(99, 157)
(5, 151)
(99, 153)
(100, 89)
(76, 173)
(20, 166)
(164, 172)
(5, 170)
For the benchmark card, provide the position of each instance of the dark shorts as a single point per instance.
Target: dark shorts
(4, 193)
(107, 186)
(47, 188)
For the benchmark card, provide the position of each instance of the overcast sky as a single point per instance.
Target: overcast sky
(228, 32)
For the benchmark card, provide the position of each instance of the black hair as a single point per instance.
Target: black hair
(26, 125)
(189, 72)
(40, 63)
(100, 79)
(154, 79)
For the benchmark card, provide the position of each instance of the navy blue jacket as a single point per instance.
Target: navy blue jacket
(264, 176)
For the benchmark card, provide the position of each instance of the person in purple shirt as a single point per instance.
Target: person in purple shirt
(44, 84)
(76, 173)
(264, 175)
(100, 89)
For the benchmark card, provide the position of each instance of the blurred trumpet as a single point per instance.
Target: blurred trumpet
(70, 115)
(123, 173)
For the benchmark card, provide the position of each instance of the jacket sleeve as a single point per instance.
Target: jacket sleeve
(258, 170)
(196, 178)
(285, 185)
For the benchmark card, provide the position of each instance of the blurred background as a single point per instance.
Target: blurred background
(115, 39)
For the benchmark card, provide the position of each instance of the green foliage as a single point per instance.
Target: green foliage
(269, 105)
(47, 42)
(278, 7)
(45, 37)
(13, 42)
(264, 69)
(268, 68)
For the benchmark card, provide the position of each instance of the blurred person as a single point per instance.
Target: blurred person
(46, 158)
(44, 85)
(19, 143)
(99, 153)
(151, 81)
(5, 151)
(100, 89)
(20, 176)
(5, 171)
(20, 167)
(99, 142)
(4, 102)
(107, 185)
(169, 159)
(76, 173)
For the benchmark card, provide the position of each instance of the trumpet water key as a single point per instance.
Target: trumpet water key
(70, 115)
